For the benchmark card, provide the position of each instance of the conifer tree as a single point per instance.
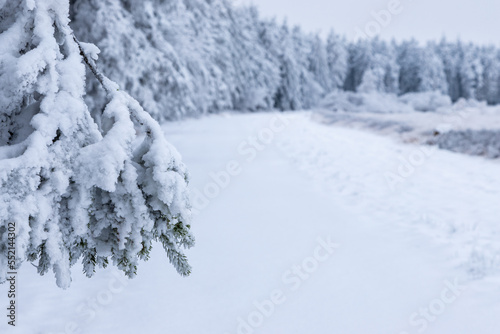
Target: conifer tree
(98, 188)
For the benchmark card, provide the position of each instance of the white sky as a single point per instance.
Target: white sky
(471, 20)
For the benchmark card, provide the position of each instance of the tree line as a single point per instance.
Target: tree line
(188, 57)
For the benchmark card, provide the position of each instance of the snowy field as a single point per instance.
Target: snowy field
(303, 228)
(467, 126)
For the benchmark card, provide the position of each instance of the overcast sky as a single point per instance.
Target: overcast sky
(471, 20)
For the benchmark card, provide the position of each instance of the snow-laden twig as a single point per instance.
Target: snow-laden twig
(77, 191)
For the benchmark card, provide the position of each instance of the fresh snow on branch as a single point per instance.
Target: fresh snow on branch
(96, 188)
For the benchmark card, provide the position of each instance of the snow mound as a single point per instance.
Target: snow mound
(426, 101)
(364, 102)
(382, 103)
(463, 104)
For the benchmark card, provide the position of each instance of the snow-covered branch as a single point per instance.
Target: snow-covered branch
(77, 191)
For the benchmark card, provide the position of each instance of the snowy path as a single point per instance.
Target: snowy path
(401, 246)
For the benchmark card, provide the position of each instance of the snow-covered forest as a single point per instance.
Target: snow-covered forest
(190, 57)
(332, 185)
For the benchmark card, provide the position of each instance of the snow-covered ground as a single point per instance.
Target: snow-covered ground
(303, 228)
(468, 126)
